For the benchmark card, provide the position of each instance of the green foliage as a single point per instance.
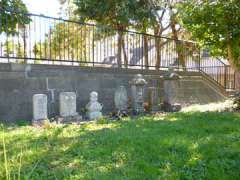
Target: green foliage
(9, 18)
(119, 14)
(173, 146)
(215, 24)
(22, 123)
(65, 41)
(115, 13)
(11, 48)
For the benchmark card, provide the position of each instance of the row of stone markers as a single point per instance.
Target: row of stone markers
(68, 107)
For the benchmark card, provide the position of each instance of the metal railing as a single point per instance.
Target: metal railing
(48, 40)
(57, 41)
(218, 71)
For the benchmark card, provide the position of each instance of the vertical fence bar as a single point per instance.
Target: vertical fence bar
(93, 52)
(225, 77)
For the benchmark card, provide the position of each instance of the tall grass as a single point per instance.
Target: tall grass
(6, 161)
(7, 169)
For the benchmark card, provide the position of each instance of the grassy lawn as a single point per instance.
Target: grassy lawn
(175, 146)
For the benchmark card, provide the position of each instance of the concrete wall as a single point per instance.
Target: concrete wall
(18, 83)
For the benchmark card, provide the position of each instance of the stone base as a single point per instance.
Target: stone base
(171, 107)
(155, 109)
(69, 120)
(40, 122)
(94, 115)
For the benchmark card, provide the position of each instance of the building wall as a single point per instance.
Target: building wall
(18, 84)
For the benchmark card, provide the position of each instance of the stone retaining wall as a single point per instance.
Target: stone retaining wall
(18, 84)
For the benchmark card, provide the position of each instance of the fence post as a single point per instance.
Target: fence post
(225, 77)
(93, 52)
(199, 60)
(234, 80)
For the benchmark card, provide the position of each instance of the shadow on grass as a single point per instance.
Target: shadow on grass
(175, 146)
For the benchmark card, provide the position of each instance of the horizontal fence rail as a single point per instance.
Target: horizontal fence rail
(56, 41)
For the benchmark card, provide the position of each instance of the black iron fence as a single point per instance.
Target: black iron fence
(48, 40)
(219, 71)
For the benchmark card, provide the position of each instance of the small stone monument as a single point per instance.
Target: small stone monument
(137, 85)
(171, 86)
(68, 104)
(40, 112)
(68, 108)
(94, 108)
(121, 99)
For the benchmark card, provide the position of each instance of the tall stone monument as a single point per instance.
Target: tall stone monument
(137, 89)
(68, 104)
(171, 85)
(40, 112)
(94, 108)
(153, 99)
(121, 99)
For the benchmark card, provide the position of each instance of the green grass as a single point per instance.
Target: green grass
(174, 146)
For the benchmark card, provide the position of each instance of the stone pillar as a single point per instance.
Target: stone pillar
(68, 104)
(153, 99)
(40, 112)
(121, 99)
(137, 88)
(171, 85)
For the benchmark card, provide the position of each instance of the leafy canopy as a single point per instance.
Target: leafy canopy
(215, 24)
(12, 13)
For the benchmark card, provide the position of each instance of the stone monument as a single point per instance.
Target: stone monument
(40, 112)
(153, 99)
(68, 108)
(94, 108)
(171, 87)
(137, 88)
(121, 99)
(68, 104)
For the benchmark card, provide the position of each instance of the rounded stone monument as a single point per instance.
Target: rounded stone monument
(121, 99)
(94, 108)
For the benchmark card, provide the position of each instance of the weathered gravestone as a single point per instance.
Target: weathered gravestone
(137, 88)
(153, 99)
(171, 85)
(94, 108)
(40, 112)
(68, 104)
(121, 99)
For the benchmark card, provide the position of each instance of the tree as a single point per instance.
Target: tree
(115, 13)
(167, 22)
(215, 24)
(143, 19)
(12, 14)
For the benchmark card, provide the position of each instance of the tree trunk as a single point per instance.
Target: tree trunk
(145, 46)
(179, 46)
(158, 33)
(119, 45)
(124, 52)
(233, 65)
(25, 45)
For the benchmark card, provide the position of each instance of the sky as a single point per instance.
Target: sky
(46, 7)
